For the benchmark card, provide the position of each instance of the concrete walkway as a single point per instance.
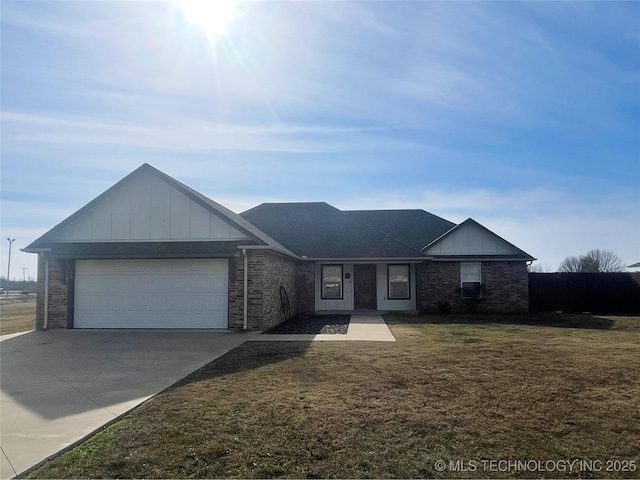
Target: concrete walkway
(59, 386)
(362, 328)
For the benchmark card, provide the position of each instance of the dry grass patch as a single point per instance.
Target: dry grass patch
(453, 389)
(17, 314)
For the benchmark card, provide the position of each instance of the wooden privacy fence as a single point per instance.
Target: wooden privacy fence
(585, 292)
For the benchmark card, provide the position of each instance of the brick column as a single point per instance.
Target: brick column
(58, 293)
(305, 288)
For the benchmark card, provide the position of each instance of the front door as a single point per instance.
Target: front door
(365, 287)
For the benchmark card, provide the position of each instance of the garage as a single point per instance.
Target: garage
(172, 293)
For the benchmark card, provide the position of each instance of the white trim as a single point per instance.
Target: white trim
(475, 259)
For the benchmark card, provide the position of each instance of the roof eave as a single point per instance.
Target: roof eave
(364, 259)
(31, 249)
(478, 258)
(275, 248)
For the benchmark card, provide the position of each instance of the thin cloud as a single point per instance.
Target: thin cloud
(192, 136)
(522, 115)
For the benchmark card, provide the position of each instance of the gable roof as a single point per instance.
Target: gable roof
(248, 231)
(321, 231)
(314, 230)
(416, 228)
(238, 220)
(470, 238)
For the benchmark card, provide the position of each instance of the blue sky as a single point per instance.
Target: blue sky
(522, 115)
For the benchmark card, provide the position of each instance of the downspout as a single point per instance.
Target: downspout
(45, 324)
(245, 290)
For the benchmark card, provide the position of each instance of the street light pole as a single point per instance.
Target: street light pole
(9, 263)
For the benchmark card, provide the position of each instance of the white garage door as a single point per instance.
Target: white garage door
(151, 294)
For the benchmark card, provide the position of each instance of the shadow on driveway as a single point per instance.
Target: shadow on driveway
(58, 386)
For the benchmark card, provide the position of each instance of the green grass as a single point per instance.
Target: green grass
(451, 388)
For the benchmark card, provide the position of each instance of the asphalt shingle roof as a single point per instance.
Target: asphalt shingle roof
(314, 230)
(416, 228)
(318, 230)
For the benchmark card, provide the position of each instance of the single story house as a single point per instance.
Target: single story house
(150, 252)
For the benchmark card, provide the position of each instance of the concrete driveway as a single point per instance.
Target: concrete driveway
(58, 386)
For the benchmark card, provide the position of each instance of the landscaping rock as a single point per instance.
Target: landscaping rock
(313, 324)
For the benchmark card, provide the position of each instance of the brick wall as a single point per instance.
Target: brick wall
(58, 293)
(236, 305)
(507, 286)
(505, 283)
(440, 283)
(305, 288)
(267, 272)
(278, 271)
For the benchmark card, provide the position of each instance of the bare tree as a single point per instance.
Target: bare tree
(605, 261)
(595, 261)
(539, 268)
(571, 265)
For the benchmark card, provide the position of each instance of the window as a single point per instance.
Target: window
(332, 281)
(471, 280)
(398, 276)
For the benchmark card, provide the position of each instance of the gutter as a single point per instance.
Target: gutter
(479, 258)
(274, 248)
(369, 260)
(245, 290)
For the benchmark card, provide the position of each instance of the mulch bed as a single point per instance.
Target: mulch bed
(313, 324)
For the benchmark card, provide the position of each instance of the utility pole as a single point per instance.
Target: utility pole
(9, 262)
(24, 278)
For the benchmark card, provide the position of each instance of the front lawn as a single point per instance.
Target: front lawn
(17, 314)
(458, 389)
